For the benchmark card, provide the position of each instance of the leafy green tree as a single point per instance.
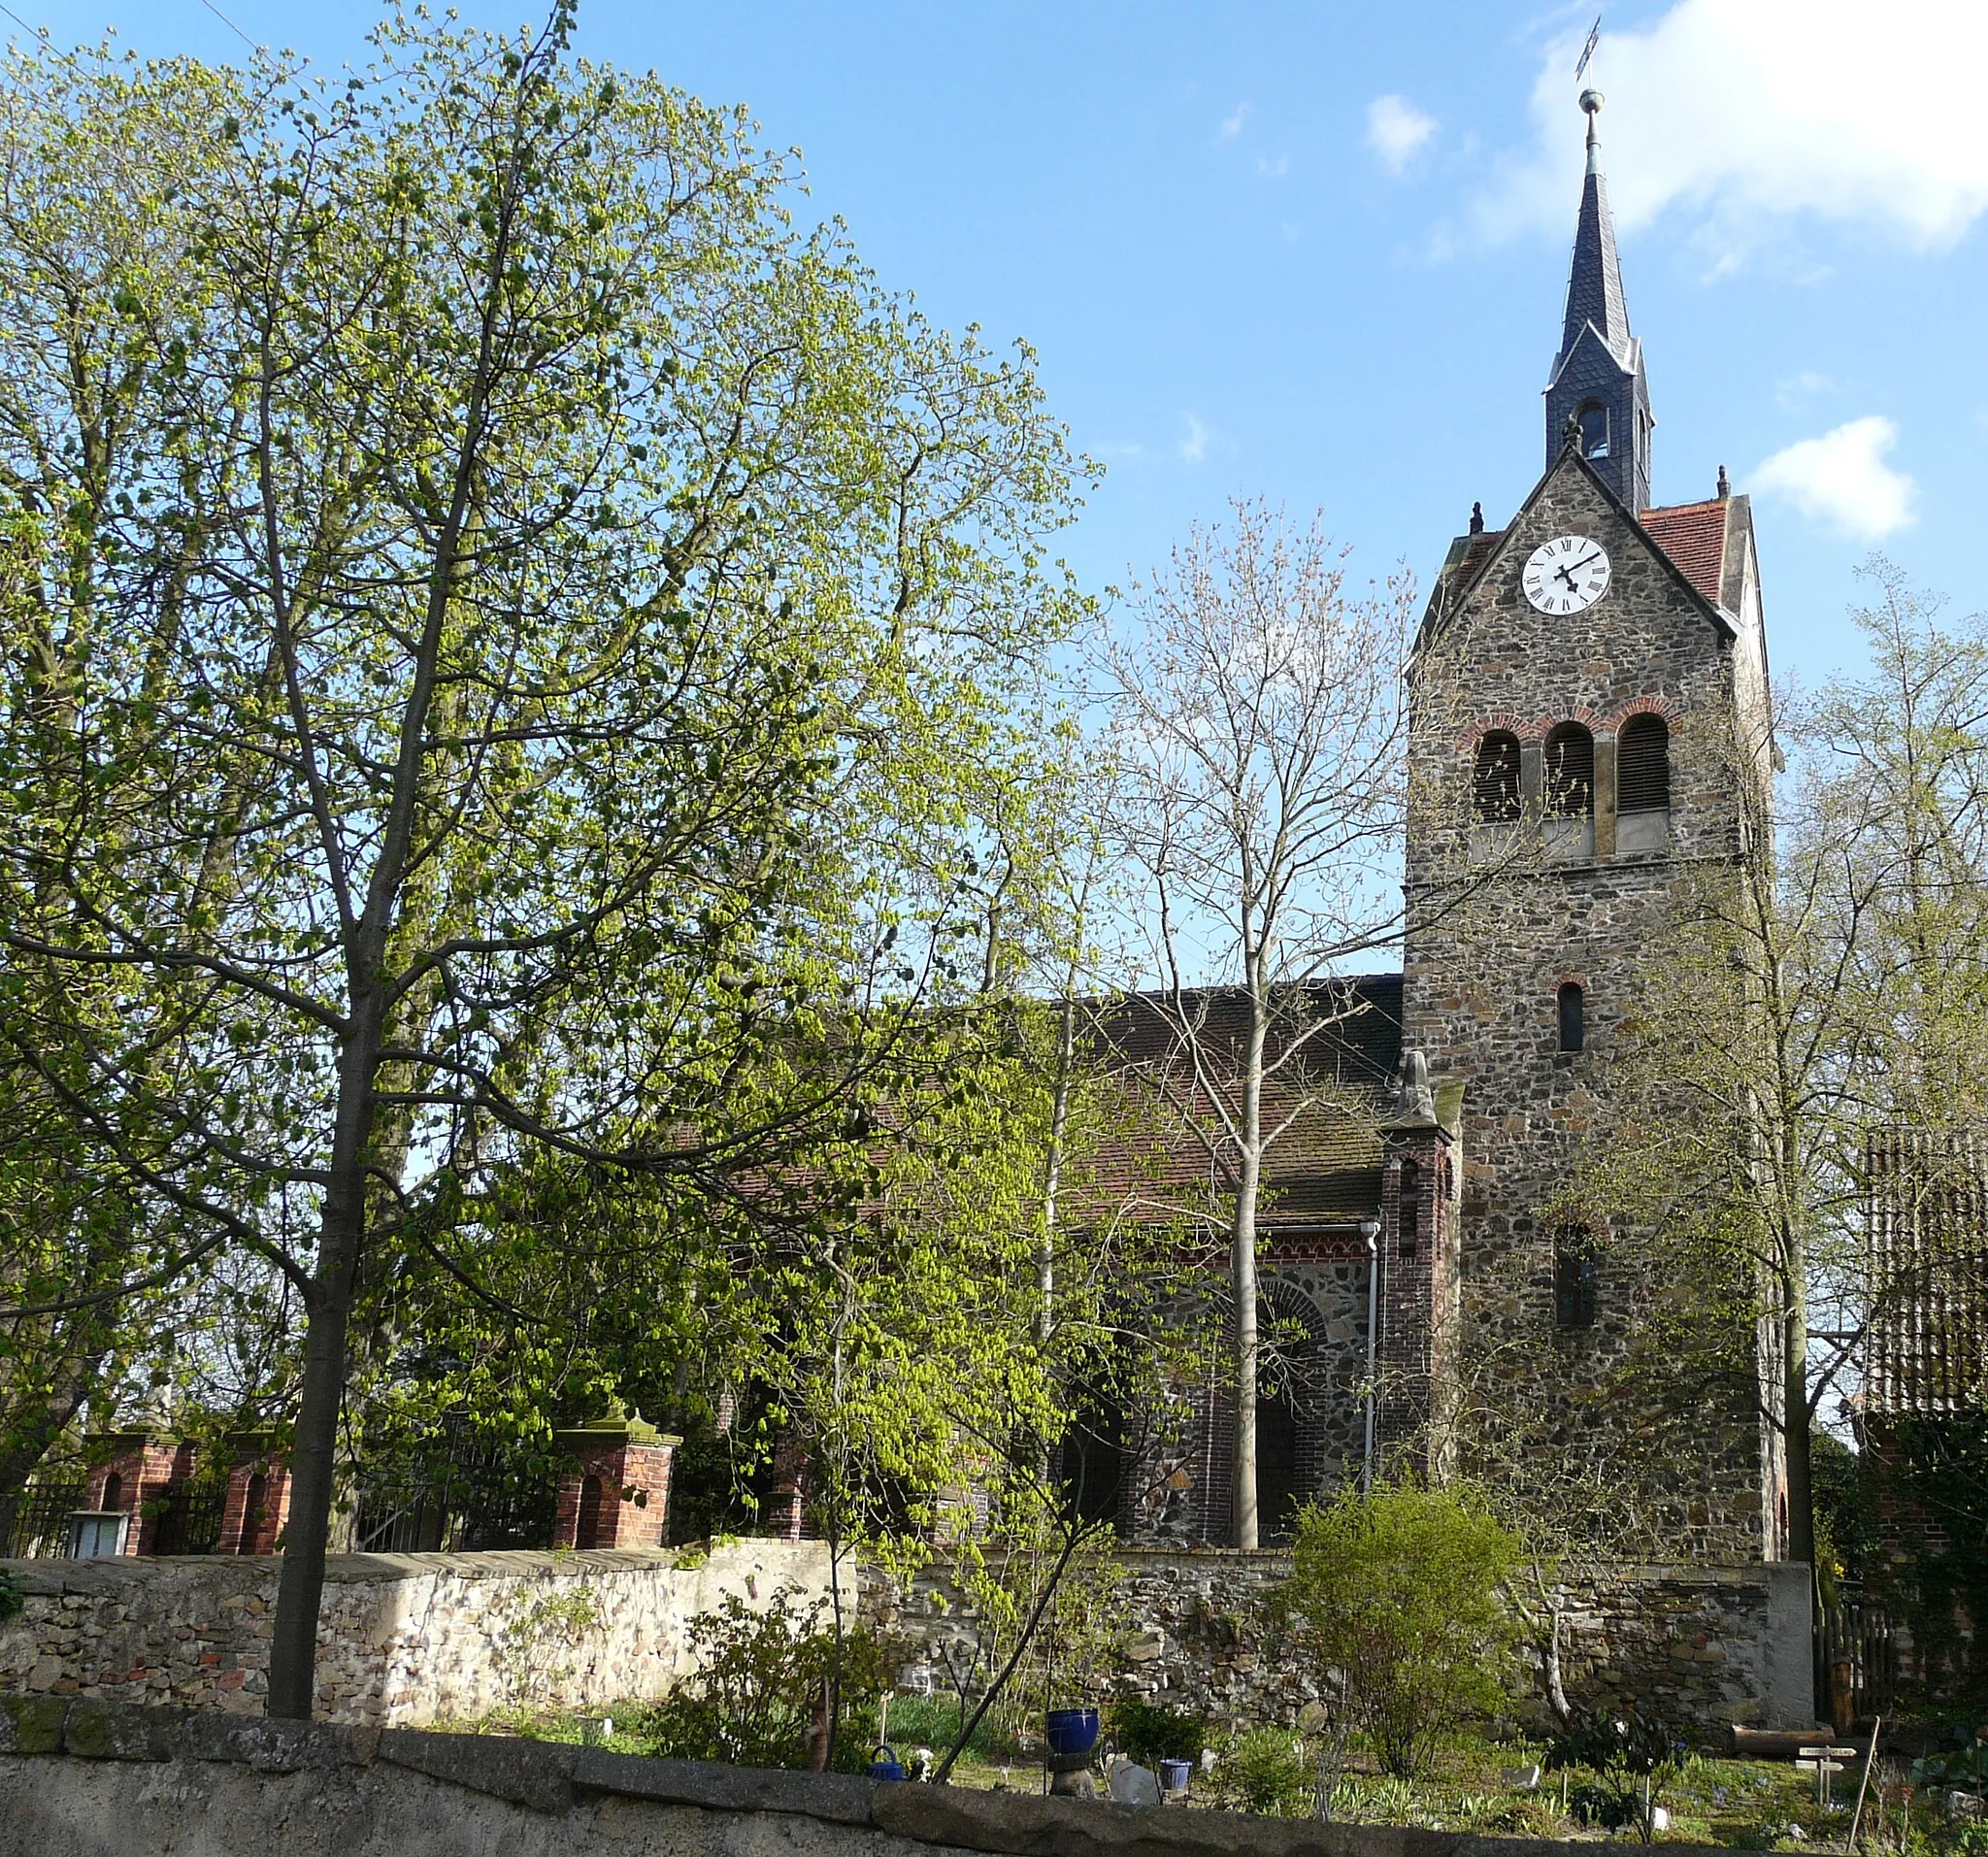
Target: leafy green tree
(506, 679)
(1399, 1590)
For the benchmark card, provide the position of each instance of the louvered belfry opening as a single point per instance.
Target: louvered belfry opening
(1494, 787)
(1570, 771)
(1643, 766)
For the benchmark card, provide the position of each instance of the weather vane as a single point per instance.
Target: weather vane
(1587, 51)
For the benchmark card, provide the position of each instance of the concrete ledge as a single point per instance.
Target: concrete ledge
(564, 1786)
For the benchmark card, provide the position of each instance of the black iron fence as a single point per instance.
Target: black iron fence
(43, 1519)
(454, 1495)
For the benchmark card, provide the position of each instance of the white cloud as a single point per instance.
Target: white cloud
(1739, 112)
(1396, 130)
(1194, 447)
(1273, 170)
(1231, 126)
(1842, 479)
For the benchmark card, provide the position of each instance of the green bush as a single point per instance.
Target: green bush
(758, 1688)
(1632, 1757)
(10, 1600)
(1146, 1733)
(1263, 1770)
(1398, 1592)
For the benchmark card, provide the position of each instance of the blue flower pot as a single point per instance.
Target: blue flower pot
(1071, 1730)
(1174, 1776)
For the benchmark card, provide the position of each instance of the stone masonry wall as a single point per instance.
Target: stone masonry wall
(1481, 985)
(93, 1780)
(404, 1639)
(1695, 1645)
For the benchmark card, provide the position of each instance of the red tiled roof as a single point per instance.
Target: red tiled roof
(1476, 555)
(1326, 1166)
(1694, 536)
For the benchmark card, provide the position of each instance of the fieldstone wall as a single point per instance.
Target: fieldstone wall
(403, 1639)
(1699, 1645)
(1601, 911)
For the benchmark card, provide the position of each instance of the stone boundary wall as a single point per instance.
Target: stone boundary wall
(1694, 1644)
(403, 1639)
(100, 1779)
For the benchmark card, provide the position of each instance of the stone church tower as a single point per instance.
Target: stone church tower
(1581, 678)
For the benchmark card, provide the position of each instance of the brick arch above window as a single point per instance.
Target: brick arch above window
(1506, 722)
(1590, 719)
(1662, 706)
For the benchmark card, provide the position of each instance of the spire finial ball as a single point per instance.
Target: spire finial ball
(1590, 100)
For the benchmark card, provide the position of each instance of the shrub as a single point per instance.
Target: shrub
(1398, 1591)
(1633, 1758)
(1147, 1732)
(758, 1688)
(10, 1600)
(1263, 1770)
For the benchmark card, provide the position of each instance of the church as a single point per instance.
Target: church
(1589, 741)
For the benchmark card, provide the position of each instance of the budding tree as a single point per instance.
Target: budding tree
(1256, 706)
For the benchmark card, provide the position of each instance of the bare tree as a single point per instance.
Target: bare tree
(1257, 707)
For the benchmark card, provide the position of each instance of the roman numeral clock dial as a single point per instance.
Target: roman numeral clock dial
(1566, 575)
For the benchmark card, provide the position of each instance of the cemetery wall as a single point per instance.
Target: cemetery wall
(403, 1639)
(1697, 1645)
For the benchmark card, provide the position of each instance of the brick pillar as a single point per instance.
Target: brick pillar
(257, 1506)
(150, 1467)
(617, 1492)
(1420, 1184)
(116, 1481)
(786, 1509)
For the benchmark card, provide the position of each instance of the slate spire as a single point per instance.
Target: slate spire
(1597, 378)
(1594, 286)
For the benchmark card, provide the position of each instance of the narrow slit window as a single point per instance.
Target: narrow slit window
(1408, 1234)
(1643, 766)
(1571, 772)
(1494, 787)
(1574, 1016)
(1577, 1274)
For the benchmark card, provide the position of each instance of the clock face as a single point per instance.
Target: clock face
(1566, 575)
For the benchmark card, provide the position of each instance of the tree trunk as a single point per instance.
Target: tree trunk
(1243, 1272)
(300, 1590)
(1795, 1416)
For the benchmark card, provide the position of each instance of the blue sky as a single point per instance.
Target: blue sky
(1317, 252)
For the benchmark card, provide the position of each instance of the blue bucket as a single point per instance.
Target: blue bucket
(1174, 1776)
(884, 1762)
(1071, 1730)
